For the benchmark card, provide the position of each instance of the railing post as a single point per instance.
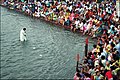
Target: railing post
(78, 57)
(86, 46)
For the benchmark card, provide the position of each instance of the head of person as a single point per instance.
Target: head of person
(107, 63)
(102, 57)
(94, 46)
(98, 73)
(77, 74)
(24, 29)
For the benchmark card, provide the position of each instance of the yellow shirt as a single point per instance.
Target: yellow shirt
(108, 48)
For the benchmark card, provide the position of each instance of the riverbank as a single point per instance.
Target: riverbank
(90, 23)
(70, 20)
(53, 23)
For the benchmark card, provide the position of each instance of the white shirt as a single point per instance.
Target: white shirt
(22, 35)
(81, 25)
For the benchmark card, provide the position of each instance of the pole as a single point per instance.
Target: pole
(78, 57)
(86, 46)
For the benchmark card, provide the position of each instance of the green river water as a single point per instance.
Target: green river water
(48, 53)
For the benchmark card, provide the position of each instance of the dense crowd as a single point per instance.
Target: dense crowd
(83, 16)
(103, 62)
(98, 20)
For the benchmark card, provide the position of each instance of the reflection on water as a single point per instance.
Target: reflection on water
(49, 51)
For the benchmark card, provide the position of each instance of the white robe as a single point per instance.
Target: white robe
(22, 35)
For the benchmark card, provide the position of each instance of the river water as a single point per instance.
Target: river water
(48, 53)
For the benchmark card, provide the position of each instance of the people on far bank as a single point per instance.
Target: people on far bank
(84, 16)
(23, 35)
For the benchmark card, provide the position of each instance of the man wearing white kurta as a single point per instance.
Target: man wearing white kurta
(23, 35)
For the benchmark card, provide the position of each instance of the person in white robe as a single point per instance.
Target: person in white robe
(23, 35)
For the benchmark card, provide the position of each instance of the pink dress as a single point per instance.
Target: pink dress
(71, 16)
(76, 78)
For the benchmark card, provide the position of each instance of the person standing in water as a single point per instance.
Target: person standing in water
(23, 35)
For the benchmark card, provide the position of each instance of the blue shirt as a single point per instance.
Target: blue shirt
(118, 47)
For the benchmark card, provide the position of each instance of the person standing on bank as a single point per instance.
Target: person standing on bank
(23, 34)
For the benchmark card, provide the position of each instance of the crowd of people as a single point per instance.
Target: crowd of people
(103, 62)
(98, 20)
(84, 16)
